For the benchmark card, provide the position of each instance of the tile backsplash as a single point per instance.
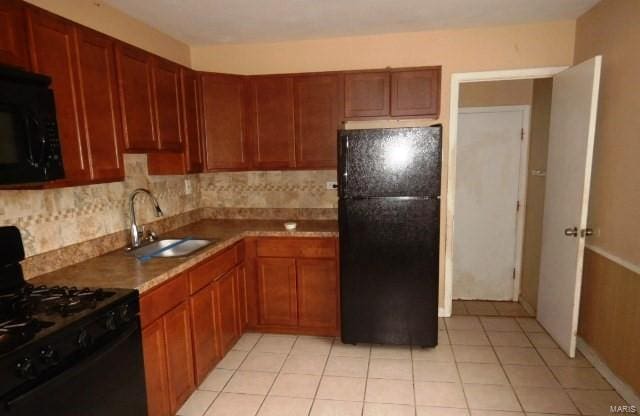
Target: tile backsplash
(54, 218)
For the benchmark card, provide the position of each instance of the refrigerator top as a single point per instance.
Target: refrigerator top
(396, 162)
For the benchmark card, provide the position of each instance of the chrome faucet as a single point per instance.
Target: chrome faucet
(137, 233)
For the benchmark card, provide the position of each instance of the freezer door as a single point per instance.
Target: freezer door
(389, 270)
(390, 162)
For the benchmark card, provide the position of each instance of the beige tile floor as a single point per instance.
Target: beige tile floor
(487, 364)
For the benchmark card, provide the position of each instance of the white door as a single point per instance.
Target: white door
(488, 183)
(574, 104)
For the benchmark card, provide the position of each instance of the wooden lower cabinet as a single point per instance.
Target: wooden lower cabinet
(317, 287)
(177, 331)
(155, 368)
(225, 307)
(241, 298)
(203, 329)
(277, 295)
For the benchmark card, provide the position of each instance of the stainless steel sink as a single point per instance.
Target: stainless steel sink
(170, 248)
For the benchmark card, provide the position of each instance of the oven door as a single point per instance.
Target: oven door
(109, 382)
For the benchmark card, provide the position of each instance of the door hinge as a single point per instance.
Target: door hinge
(517, 205)
(522, 133)
(514, 274)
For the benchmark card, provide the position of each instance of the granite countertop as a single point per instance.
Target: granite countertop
(118, 270)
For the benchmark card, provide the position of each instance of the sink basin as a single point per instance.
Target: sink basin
(170, 248)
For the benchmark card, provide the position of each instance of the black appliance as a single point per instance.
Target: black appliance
(29, 144)
(66, 351)
(389, 215)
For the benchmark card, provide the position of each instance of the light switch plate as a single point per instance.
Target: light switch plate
(188, 189)
(332, 185)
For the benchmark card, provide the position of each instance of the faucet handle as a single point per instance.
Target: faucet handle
(152, 236)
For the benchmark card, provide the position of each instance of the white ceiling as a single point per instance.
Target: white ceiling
(199, 22)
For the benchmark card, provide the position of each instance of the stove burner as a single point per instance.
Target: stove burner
(17, 331)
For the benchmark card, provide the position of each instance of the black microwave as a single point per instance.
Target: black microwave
(29, 145)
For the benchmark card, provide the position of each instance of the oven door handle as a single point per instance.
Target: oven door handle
(76, 369)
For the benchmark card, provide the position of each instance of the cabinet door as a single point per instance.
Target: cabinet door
(225, 304)
(155, 369)
(241, 293)
(177, 331)
(223, 117)
(191, 120)
(318, 113)
(277, 296)
(272, 127)
(205, 347)
(166, 83)
(366, 94)
(317, 293)
(98, 88)
(415, 92)
(51, 41)
(136, 97)
(13, 35)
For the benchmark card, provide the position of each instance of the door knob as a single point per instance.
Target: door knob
(586, 232)
(571, 232)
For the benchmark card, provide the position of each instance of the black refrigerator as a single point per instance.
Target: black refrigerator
(389, 215)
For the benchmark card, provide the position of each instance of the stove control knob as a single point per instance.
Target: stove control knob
(26, 369)
(110, 321)
(124, 313)
(84, 339)
(48, 355)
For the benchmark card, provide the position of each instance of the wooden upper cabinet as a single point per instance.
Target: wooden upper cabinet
(13, 35)
(318, 114)
(52, 48)
(367, 94)
(155, 369)
(98, 90)
(166, 83)
(223, 119)
(177, 327)
(277, 297)
(272, 125)
(191, 120)
(134, 67)
(317, 293)
(415, 92)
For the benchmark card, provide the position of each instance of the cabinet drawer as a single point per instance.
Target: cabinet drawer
(161, 300)
(209, 270)
(297, 247)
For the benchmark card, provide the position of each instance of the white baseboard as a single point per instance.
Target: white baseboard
(527, 307)
(623, 389)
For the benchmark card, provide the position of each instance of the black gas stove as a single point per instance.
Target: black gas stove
(72, 351)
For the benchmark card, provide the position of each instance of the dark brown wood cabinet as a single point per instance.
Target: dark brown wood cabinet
(272, 122)
(241, 294)
(134, 67)
(52, 48)
(177, 332)
(155, 368)
(224, 122)
(205, 342)
(415, 92)
(225, 304)
(317, 287)
(13, 34)
(166, 100)
(367, 94)
(277, 295)
(98, 91)
(318, 115)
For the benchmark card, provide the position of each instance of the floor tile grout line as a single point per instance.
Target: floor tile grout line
(326, 362)
(276, 375)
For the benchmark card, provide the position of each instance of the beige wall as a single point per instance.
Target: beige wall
(610, 311)
(538, 144)
(612, 28)
(496, 93)
(106, 19)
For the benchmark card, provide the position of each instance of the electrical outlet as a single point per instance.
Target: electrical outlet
(188, 188)
(332, 185)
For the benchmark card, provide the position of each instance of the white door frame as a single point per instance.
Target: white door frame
(456, 80)
(522, 182)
